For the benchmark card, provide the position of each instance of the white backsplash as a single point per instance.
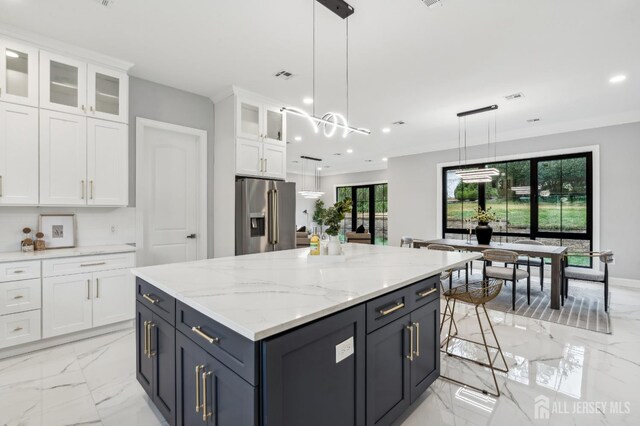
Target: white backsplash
(95, 226)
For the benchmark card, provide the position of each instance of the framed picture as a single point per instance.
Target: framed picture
(59, 230)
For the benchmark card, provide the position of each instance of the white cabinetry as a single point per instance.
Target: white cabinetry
(18, 155)
(82, 161)
(19, 303)
(75, 87)
(275, 161)
(18, 73)
(81, 301)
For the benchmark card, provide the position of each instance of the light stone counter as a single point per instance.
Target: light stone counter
(17, 256)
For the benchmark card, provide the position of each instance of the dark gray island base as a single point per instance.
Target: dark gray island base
(364, 365)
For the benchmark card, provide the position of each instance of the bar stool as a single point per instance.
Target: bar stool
(444, 247)
(406, 241)
(477, 294)
(446, 314)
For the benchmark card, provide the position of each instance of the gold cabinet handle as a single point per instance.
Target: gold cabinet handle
(91, 190)
(146, 345)
(18, 328)
(88, 289)
(92, 110)
(84, 265)
(83, 189)
(417, 325)
(198, 404)
(205, 411)
(199, 332)
(83, 108)
(0, 186)
(18, 297)
(148, 297)
(97, 288)
(410, 356)
(392, 309)
(151, 326)
(266, 166)
(426, 293)
(19, 271)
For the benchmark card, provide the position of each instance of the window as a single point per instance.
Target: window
(546, 198)
(370, 209)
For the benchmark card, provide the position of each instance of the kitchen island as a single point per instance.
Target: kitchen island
(279, 339)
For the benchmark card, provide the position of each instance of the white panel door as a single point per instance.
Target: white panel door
(18, 73)
(66, 304)
(249, 158)
(63, 158)
(113, 296)
(18, 154)
(108, 94)
(63, 84)
(170, 177)
(107, 163)
(275, 161)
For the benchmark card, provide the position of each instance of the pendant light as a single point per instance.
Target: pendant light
(312, 191)
(475, 175)
(330, 122)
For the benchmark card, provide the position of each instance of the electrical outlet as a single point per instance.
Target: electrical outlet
(344, 350)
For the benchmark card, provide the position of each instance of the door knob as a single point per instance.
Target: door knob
(191, 236)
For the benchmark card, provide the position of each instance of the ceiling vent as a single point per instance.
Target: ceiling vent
(283, 75)
(106, 3)
(432, 3)
(514, 96)
(533, 120)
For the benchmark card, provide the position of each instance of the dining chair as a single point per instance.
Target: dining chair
(512, 274)
(444, 247)
(529, 261)
(406, 241)
(586, 274)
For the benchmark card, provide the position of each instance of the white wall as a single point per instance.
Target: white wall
(94, 225)
(302, 203)
(413, 189)
(329, 183)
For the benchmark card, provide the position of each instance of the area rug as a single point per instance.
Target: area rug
(584, 308)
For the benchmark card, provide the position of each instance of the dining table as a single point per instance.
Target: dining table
(555, 253)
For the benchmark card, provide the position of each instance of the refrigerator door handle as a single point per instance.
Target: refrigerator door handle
(276, 220)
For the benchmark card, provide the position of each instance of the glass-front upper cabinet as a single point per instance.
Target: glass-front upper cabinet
(18, 73)
(274, 125)
(250, 120)
(63, 84)
(108, 93)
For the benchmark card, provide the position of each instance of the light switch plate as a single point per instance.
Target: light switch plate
(344, 349)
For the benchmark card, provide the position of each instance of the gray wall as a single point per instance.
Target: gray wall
(412, 188)
(163, 103)
(329, 183)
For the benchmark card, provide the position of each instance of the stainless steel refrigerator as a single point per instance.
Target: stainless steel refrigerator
(265, 216)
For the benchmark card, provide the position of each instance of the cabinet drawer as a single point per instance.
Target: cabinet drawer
(235, 351)
(14, 271)
(157, 300)
(19, 296)
(16, 329)
(388, 308)
(425, 291)
(83, 264)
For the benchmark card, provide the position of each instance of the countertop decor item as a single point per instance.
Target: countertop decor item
(39, 243)
(333, 218)
(27, 242)
(484, 231)
(59, 230)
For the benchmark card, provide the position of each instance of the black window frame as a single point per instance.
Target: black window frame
(372, 205)
(534, 232)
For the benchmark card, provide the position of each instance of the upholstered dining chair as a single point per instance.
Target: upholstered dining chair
(529, 261)
(406, 242)
(586, 274)
(444, 247)
(512, 274)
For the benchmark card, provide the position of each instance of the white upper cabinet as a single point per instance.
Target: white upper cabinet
(72, 86)
(63, 158)
(63, 84)
(274, 125)
(250, 119)
(107, 163)
(18, 73)
(18, 154)
(274, 161)
(108, 94)
(249, 160)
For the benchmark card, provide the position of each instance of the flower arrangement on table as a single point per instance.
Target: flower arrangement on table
(484, 216)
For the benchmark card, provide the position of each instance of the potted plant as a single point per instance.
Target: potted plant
(484, 231)
(319, 215)
(333, 218)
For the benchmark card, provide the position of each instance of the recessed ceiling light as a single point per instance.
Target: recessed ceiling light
(319, 168)
(385, 159)
(386, 130)
(307, 101)
(298, 138)
(349, 151)
(11, 54)
(618, 79)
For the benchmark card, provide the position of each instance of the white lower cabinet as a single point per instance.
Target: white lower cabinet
(78, 302)
(19, 296)
(23, 327)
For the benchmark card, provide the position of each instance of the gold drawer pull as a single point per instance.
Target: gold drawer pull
(146, 339)
(426, 293)
(205, 411)
(148, 297)
(17, 329)
(18, 297)
(199, 332)
(198, 405)
(84, 265)
(410, 356)
(19, 271)
(391, 310)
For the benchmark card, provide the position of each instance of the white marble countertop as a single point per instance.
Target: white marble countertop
(261, 295)
(16, 256)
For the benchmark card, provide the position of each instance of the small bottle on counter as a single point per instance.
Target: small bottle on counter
(314, 245)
